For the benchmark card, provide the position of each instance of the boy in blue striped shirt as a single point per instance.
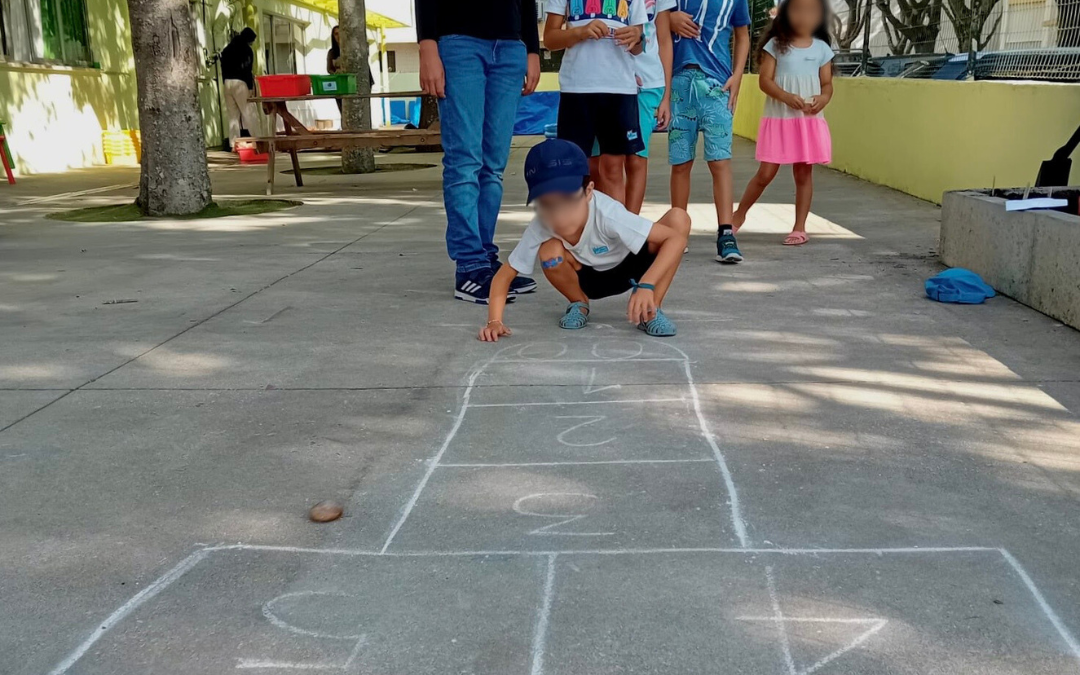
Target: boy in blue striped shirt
(704, 91)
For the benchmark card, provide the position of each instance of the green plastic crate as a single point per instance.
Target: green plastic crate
(333, 85)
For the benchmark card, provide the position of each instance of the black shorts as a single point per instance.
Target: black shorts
(611, 120)
(616, 280)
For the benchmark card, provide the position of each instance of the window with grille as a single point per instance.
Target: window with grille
(45, 31)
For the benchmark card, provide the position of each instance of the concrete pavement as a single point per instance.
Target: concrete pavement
(823, 472)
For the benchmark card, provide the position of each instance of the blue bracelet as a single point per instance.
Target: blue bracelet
(634, 283)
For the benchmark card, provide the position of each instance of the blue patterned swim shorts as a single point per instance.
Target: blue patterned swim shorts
(698, 102)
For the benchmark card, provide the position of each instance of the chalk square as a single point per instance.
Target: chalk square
(589, 347)
(657, 613)
(280, 611)
(667, 431)
(931, 613)
(587, 381)
(557, 508)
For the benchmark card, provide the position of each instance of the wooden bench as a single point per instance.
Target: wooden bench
(340, 140)
(297, 137)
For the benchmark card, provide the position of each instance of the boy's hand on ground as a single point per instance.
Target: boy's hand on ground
(432, 75)
(532, 76)
(732, 87)
(683, 24)
(594, 30)
(663, 113)
(642, 306)
(493, 331)
(628, 37)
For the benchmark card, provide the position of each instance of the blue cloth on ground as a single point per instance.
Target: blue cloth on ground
(960, 286)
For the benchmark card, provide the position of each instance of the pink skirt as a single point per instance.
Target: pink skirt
(795, 140)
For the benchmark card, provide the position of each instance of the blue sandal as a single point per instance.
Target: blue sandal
(575, 318)
(659, 326)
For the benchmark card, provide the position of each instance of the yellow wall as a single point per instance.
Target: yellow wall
(926, 137)
(548, 82)
(54, 116)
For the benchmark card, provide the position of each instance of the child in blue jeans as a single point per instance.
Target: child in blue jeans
(704, 90)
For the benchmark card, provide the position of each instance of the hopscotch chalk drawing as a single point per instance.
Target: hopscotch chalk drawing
(602, 533)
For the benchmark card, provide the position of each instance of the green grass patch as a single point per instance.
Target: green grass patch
(388, 167)
(121, 213)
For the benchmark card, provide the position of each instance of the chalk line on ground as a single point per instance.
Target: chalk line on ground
(160, 584)
(539, 641)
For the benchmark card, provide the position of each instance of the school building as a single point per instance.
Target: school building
(67, 71)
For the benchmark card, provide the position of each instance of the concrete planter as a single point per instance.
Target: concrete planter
(1031, 256)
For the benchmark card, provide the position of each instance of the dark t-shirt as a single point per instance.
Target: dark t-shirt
(484, 19)
(237, 62)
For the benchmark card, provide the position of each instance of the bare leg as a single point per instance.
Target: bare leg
(676, 219)
(765, 174)
(723, 193)
(804, 193)
(637, 174)
(594, 170)
(680, 185)
(561, 268)
(612, 168)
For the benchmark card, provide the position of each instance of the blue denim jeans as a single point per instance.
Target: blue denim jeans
(483, 86)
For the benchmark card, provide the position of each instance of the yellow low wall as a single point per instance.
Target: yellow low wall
(926, 137)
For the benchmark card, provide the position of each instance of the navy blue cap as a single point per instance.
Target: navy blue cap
(555, 166)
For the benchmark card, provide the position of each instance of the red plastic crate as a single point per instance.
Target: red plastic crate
(251, 156)
(284, 85)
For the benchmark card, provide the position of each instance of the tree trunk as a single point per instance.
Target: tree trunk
(174, 177)
(356, 113)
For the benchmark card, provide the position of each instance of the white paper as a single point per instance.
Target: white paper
(1035, 203)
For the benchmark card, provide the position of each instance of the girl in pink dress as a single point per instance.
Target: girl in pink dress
(795, 72)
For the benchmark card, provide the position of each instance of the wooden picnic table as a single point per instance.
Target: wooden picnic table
(297, 137)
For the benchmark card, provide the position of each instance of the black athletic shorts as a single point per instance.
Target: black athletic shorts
(612, 120)
(616, 280)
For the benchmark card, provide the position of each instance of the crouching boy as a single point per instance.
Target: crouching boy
(590, 246)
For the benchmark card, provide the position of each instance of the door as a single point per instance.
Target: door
(209, 84)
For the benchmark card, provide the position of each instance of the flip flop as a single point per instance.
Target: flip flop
(796, 239)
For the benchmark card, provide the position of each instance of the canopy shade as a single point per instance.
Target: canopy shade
(375, 21)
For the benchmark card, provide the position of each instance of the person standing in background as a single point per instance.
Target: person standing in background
(333, 60)
(333, 57)
(704, 92)
(598, 99)
(653, 69)
(478, 58)
(237, 72)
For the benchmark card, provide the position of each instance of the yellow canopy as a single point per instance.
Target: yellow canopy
(375, 21)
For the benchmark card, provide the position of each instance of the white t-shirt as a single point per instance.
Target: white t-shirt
(611, 234)
(598, 66)
(647, 64)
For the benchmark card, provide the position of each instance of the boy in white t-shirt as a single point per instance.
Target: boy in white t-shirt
(653, 69)
(590, 246)
(597, 82)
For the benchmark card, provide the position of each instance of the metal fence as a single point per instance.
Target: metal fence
(952, 39)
